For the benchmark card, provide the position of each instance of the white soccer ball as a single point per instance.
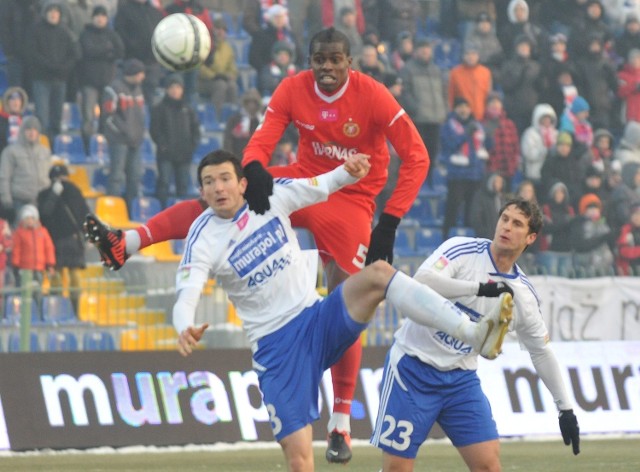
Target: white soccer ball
(181, 42)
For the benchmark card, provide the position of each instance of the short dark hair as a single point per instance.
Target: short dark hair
(530, 209)
(330, 35)
(219, 157)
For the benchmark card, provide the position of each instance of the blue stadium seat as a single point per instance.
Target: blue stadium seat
(305, 238)
(70, 147)
(241, 47)
(208, 117)
(13, 310)
(247, 78)
(98, 149)
(98, 341)
(207, 145)
(178, 245)
(100, 178)
(427, 240)
(62, 341)
(148, 151)
(57, 309)
(4, 80)
(403, 246)
(447, 53)
(143, 208)
(71, 117)
(461, 231)
(149, 178)
(228, 109)
(14, 342)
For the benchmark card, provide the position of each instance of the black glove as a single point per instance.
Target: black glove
(382, 238)
(570, 430)
(493, 289)
(259, 187)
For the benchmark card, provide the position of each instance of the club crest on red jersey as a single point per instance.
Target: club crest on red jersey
(351, 129)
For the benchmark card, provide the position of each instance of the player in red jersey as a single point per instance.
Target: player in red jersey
(337, 111)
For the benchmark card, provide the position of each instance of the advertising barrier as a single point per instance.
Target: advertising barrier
(90, 399)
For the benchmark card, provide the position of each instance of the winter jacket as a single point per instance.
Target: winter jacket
(503, 146)
(101, 48)
(590, 244)
(135, 22)
(123, 113)
(558, 218)
(33, 249)
(473, 83)
(9, 123)
(629, 250)
(569, 170)
(52, 51)
(423, 92)
(485, 207)
(628, 149)
(519, 78)
(175, 129)
(6, 243)
(24, 170)
(533, 147)
(462, 146)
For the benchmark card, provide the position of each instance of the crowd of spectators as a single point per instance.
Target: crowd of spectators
(508, 95)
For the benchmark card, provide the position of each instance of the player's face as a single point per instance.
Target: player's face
(330, 65)
(222, 190)
(512, 232)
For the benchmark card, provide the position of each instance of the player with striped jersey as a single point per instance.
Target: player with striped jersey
(430, 375)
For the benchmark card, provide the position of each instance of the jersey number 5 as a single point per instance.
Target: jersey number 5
(405, 428)
(360, 257)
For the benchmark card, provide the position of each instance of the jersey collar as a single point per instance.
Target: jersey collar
(497, 273)
(335, 96)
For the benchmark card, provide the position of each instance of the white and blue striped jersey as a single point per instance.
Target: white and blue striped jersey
(255, 258)
(469, 259)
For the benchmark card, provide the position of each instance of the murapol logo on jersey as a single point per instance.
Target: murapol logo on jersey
(253, 251)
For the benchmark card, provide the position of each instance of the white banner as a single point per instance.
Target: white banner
(600, 309)
(603, 379)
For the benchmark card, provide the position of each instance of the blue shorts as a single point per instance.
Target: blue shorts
(290, 362)
(415, 395)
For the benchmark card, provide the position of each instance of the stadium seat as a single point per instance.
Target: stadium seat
(403, 246)
(427, 240)
(207, 144)
(228, 110)
(148, 151)
(70, 147)
(162, 252)
(113, 211)
(71, 117)
(241, 47)
(13, 310)
(447, 53)
(208, 117)
(98, 341)
(62, 341)
(57, 309)
(4, 80)
(14, 342)
(143, 208)
(461, 231)
(79, 176)
(98, 149)
(149, 179)
(100, 178)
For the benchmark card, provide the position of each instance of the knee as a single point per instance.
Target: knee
(300, 463)
(380, 273)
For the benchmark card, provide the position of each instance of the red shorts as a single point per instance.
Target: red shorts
(341, 226)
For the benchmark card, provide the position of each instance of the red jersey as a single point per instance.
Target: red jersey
(358, 118)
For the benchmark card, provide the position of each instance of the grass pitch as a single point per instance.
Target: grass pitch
(611, 455)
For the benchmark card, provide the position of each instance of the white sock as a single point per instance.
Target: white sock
(422, 304)
(340, 422)
(132, 241)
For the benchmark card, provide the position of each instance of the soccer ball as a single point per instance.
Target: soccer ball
(180, 42)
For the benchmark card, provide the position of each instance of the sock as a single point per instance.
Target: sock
(132, 241)
(339, 422)
(344, 374)
(421, 304)
(171, 223)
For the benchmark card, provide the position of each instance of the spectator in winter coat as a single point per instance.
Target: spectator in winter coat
(276, 29)
(486, 205)
(6, 242)
(218, 76)
(590, 236)
(538, 140)
(630, 38)
(575, 121)
(567, 163)
(465, 156)
(24, 167)
(503, 142)
(241, 125)
(101, 47)
(33, 249)
(520, 24)
(628, 244)
(281, 67)
(62, 210)
(175, 130)
(471, 80)
(558, 214)
(555, 62)
(123, 112)
(624, 196)
(348, 22)
(602, 151)
(52, 53)
(14, 105)
(490, 50)
(629, 86)
(423, 94)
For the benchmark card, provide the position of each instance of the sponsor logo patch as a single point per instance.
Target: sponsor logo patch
(441, 263)
(329, 115)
